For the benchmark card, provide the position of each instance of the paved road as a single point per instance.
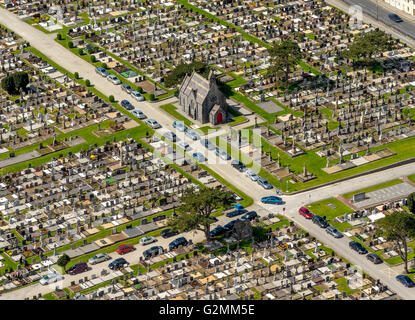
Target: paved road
(73, 63)
(405, 31)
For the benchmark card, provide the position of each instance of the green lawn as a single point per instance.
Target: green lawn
(373, 188)
(172, 110)
(321, 208)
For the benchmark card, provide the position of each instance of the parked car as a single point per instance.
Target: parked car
(179, 125)
(222, 154)
(178, 243)
(171, 136)
(153, 123)
(139, 114)
(153, 251)
(234, 213)
(101, 71)
(320, 221)
(167, 233)
(192, 134)
(264, 183)
(239, 165)
(126, 87)
(207, 144)
(229, 225)
(334, 232)
(305, 213)
(272, 200)
(113, 79)
(184, 145)
(373, 257)
(127, 104)
(217, 231)
(198, 157)
(137, 95)
(358, 247)
(251, 215)
(125, 248)
(405, 280)
(395, 17)
(147, 240)
(118, 264)
(98, 258)
(50, 278)
(252, 175)
(77, 268)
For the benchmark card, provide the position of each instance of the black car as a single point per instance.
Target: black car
(127, 105)
(358, 247)
(117, 264)
(167, 233)
(235, 213)
(153, 251)
(321, 222)
(251, 215)
(373, 257)
(217, 231)
(395, 17)
(238, 165)
(229, 225)
(177, 243)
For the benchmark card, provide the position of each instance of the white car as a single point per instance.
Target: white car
(113, 79)
(51, 278)
(249, 173)
(100, 257)
(139, 114)
(184, 145)
(147, 240)
(153, 123)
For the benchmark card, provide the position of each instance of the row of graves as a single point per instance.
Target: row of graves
(52, 103)
(290, 265)
(159, 38)
(121, 187)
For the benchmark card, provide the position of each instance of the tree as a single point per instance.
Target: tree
(398, 227)
(63, 261)
(365, 46)
(177, 75)
(197, 206)
(284, 58)
(411, 202)
(14, 82)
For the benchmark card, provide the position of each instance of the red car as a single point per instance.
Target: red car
(125, 248)
(77, 268)
(305, 212)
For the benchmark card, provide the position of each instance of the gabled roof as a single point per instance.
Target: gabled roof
(195, 83)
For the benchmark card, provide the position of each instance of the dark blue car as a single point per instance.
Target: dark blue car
(127, 105)
(235, 213)
(271, 199)
(177, 243)
(229, 225)
(405, 280)
(217, 231)
(249, 216)
(358, 247)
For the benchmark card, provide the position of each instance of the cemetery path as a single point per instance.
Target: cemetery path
(71, 62)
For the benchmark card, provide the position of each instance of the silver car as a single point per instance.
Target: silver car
(334, 232)
(98, 258)
(147, 240)
(50, 278)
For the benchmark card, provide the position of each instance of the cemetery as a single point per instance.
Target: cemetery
(287, 265)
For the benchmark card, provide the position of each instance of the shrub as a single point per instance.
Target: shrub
(87, 82)
(59, 36)
(152, 97)
(93, 59)
(80, 51)
(111, 98)
(70, 44)
(104, 65)
(76, 74)
(139, 89)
